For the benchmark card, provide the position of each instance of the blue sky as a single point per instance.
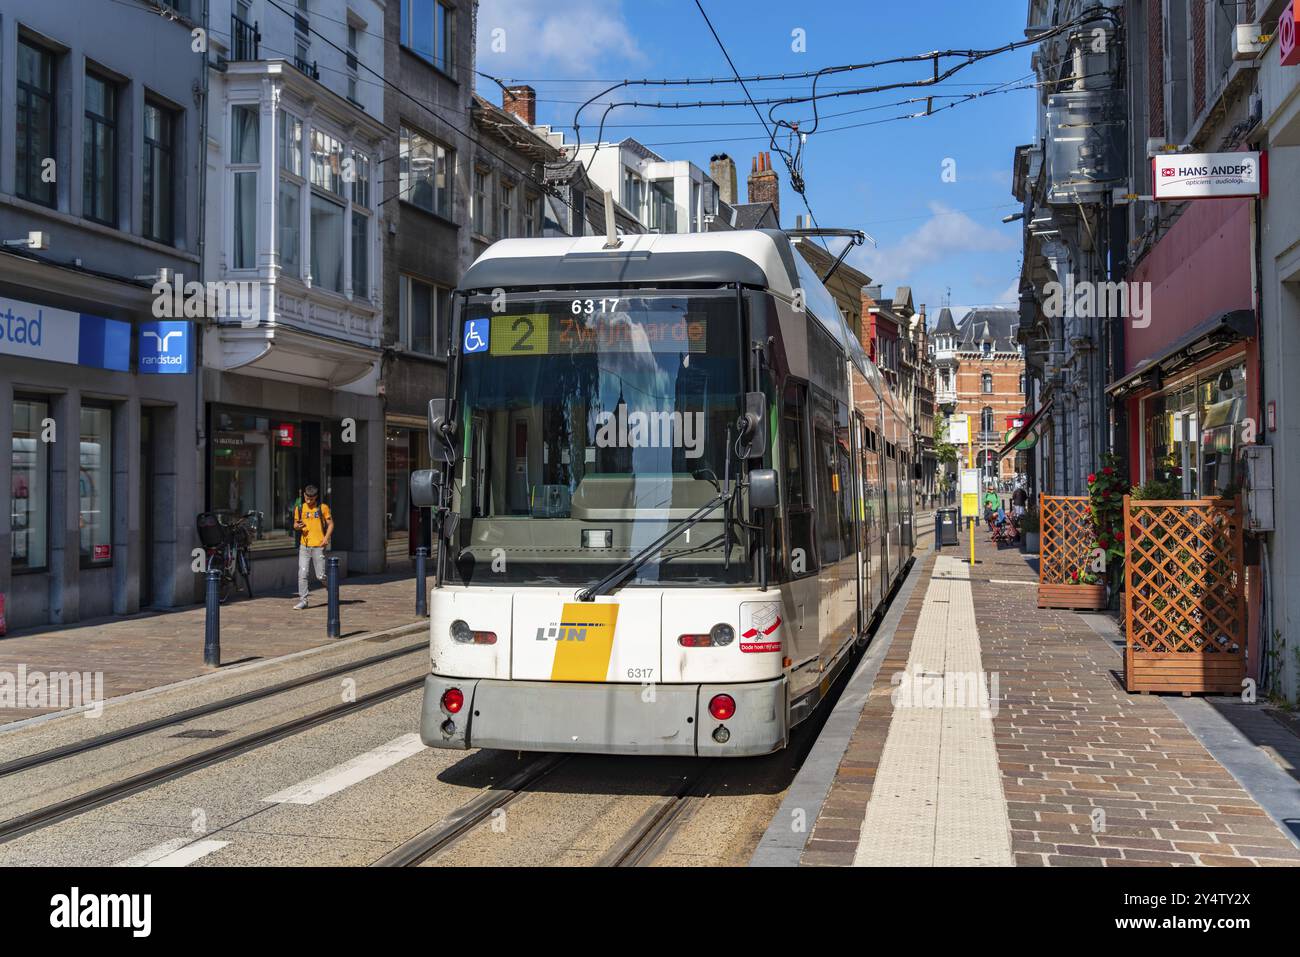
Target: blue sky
(885, 178)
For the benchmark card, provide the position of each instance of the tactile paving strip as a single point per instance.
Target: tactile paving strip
(937, 799)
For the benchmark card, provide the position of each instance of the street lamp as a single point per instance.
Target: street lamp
(34, 240)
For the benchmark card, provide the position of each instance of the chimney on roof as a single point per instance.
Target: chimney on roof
(764, 187)
(722, 169)
(520, 101)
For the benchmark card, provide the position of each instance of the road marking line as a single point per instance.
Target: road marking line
(175, 853)
(349, 772)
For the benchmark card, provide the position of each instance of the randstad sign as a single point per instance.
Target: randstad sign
(34, 331)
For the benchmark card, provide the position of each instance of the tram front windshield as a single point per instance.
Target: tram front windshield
(589, 426)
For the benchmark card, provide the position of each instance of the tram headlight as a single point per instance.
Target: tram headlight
(461, 631)
(722, 634)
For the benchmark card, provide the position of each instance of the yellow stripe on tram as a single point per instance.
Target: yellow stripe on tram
(586, 642)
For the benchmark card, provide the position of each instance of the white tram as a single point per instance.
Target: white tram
(674, 493)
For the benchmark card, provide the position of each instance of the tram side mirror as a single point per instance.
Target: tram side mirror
(424, 488)
(762, 489)
(753, 426)
(441, 432)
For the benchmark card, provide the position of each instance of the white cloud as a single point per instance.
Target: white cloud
(537, 38)
(944, 235)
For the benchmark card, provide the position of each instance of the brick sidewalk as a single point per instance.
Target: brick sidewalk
(155, 648)
(1071, 745)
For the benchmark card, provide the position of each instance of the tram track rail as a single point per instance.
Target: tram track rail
(41, 758)
(35, 820)
(453, 827)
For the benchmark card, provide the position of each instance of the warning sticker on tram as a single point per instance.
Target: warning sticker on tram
(760, 626)
(542, 334)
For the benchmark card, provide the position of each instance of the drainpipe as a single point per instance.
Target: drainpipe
(199, 418)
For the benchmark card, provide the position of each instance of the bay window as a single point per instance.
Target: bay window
(360, 254)
(289, 226)
(326, 243)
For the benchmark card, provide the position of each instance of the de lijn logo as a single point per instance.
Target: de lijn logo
(165, 347)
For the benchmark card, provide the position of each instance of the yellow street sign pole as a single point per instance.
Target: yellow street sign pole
(970, 464)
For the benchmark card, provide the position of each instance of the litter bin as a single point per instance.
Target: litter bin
(945, 527)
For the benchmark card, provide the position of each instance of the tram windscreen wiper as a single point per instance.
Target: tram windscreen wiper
(644, 555)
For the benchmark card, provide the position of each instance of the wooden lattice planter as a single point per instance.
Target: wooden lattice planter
(1064, 545)
(1185, 597)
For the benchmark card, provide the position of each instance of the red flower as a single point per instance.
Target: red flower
(1092, 478)
(1108, 471)
(1119, 536)
(1103, 541)
(1105, 494)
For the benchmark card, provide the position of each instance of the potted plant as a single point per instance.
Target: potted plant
(1029, 532)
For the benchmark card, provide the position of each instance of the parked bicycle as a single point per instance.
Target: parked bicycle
(228, 546)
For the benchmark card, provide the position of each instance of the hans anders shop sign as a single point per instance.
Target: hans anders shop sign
(1208, 175)
(34, 331)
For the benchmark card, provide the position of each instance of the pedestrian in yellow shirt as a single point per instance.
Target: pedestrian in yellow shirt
(314, 523)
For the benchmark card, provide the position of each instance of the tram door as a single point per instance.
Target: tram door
(518, 492)
(860, 521)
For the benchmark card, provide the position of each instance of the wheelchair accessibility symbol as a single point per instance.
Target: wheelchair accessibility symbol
(477, 333)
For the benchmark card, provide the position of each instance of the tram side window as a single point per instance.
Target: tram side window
(826, 476)
(802, 556)
(845, 491)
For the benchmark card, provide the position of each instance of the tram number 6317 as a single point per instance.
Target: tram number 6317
(585, 307)
(644, 674)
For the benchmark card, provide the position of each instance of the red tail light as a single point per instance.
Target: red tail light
(453, 699)
(722, 707)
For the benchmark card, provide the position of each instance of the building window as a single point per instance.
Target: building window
(633, 191)
(360, 179)
(352, 62)
(532, 215)
(289, 142)
(29, 508)
(424, 311)
(99, 138)
(478, 202)
(326, 243)
(244, 152)
(986, 419)
(159, 126)
(360, 255)
(289, 225)
(425, 172)
(1022, 384)
(428, 30)
(95, 485)
(326, 162)
(506, 209)
(986, 383)
(35, 138)
(987, 347)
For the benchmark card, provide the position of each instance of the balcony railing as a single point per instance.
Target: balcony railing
(308, 68)
(244, 39)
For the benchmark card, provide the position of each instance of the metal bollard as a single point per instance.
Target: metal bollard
(212, 622)
(332, 627)
(421, 590)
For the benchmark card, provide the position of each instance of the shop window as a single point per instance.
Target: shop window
(1222, 407)
(408, 450)
(260, 462)
(95, 485)
(29, 490)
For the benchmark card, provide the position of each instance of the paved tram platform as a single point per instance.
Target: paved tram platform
(158, 648)
(981, 730)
